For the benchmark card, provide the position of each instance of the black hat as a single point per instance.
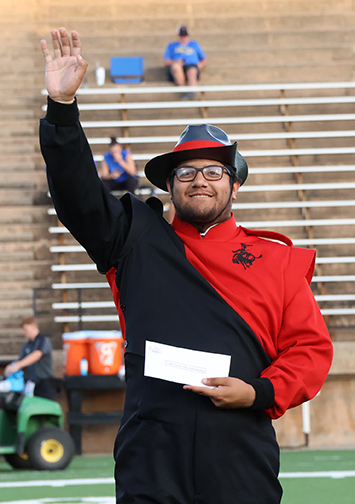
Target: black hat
(197, 142)
(183, 31)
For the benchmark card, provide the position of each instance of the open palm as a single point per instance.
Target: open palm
(64, 72)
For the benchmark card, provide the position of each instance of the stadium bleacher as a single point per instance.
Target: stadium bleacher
(305, 217)
(298, 138)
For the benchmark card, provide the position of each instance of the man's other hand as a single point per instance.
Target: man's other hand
(226, 392)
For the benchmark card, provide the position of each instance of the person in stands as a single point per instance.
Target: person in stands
(184, 60)
(118, 170)
(202, 285)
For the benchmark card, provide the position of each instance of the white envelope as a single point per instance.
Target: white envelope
(181, 365)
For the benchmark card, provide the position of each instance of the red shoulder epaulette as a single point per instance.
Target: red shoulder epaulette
(270, 235)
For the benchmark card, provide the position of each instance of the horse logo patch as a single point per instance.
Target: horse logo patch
(243, 257)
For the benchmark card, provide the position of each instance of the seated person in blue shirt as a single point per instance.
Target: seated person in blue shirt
(118, 169)
(184, 59)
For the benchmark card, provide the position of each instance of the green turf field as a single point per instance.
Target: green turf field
(308, 477)
(318, 477)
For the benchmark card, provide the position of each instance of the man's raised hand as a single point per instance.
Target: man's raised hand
(64, 72)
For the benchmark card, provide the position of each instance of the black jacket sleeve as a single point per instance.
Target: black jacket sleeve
(95, 218)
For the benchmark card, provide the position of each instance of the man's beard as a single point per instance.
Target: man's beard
(190, 215)
(199, 219)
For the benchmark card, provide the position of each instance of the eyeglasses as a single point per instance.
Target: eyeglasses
(211, 173)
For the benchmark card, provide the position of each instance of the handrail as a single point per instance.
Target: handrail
(92, 266)
(297, 242)
(219, 120)
(278, 204)
(210, 88)
(104, 285)
(111, 304)
(233, 137)
(265, 153)
(257, 224)
(317, 100)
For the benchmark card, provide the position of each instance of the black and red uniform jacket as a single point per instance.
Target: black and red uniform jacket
(229, 291)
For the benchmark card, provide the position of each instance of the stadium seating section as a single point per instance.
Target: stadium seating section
(279, 80)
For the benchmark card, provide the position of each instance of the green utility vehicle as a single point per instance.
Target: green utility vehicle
(32, 434)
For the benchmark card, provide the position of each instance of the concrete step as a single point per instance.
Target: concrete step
(247, 57)
(11, 181)
(24, 215)
(227, 39)
(17, 127)
(163, 9)
(217, 23)
(17, 268)
(20, 113)
(281, 73)
(10, 297)
(13, 197)
(17, 145)
(23, 180)
(35, 269)
(16, 236)
(275, 56)
(23, 198)
(41, 243)
(80, 276)
(23, 232)
(17, 63)
(12, 248)
(14, 306)
(15, 295)
(21, 96)
(25, 284)
(11, 340)
(15, 162)
(22, 10)
(319, 58)
(25, 303)
(235, 74)
(16, 314)
(19, 255)
(22, 302)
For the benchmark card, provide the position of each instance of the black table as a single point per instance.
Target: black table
(76, 419)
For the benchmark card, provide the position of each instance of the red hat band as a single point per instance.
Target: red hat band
(196, 144)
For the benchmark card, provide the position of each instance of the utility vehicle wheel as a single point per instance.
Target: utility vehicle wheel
(19, 460)
(50, 449)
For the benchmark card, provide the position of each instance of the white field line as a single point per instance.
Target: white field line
(57, 483)
(319, 474)
(66, 500)
(104, 481)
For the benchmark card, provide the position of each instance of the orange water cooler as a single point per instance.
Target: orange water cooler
(75, 346)
(101, 349)
(105, 352)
